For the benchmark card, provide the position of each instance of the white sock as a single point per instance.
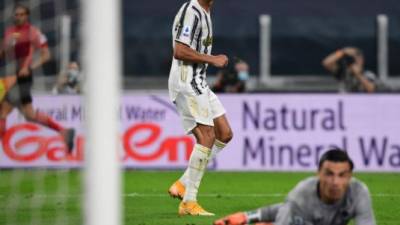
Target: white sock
(216, 148)
(195, 171)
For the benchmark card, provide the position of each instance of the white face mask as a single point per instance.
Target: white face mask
(243, 75)
(73, 75)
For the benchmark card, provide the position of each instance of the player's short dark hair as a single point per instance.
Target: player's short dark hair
(335, 155)
(21, 6)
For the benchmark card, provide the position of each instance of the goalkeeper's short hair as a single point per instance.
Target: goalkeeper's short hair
(336, 155)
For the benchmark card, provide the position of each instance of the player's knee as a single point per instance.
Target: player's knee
(226, 136)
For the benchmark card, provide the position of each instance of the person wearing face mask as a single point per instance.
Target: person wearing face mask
(69, 82)
(232, 79)
(332, 197)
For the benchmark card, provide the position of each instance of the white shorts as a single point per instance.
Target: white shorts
(198, 109)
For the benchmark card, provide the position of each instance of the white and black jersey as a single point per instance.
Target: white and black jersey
(192, 27)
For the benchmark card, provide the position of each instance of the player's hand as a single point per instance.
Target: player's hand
(234, 219)
(220, 61)
(350, 51)
(24, 72)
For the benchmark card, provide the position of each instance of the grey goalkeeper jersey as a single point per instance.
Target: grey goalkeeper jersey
(304, 207)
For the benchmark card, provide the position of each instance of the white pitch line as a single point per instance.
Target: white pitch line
(250, 195)
(246, 195)
(155, 195)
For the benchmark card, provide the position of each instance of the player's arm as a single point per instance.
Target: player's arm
(330, 62)
(291, 213)
(185, 53)
(44, 58)
(188, 32)
(25, 68)
(40, 42)
(357, 72)
(266, 215)
(364, 213)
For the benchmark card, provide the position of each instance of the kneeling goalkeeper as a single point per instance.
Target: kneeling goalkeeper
(333, 197)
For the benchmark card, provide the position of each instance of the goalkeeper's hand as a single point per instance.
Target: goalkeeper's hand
(239, 218)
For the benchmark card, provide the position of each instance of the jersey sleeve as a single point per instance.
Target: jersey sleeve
(269, 213)
(363, 213)
(188, 25)
(39, 40)
(291, 214)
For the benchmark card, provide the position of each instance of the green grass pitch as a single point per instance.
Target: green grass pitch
(55, 197)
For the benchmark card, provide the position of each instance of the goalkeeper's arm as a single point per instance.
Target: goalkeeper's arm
(265, 215)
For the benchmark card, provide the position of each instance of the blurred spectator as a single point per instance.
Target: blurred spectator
(69, 81)
(347, 65)
(233, 78)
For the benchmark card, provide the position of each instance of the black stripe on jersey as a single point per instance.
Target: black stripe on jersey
(194, 28)
(193, 82)
(198, 12)
(182, 20)
(203, 70)
(198, 45)
(208, 34)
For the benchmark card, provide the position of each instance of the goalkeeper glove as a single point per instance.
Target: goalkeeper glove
(239, 218)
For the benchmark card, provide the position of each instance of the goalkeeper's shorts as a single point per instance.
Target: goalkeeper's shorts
(3, 89)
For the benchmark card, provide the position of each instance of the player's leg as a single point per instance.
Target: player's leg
(24, 85)
(3, 92)
(23, 88)
(5, 109)
(185, 107)
(41, 118)
(223, 134)
(196, 116)
(9, 81)
(197, 165)
(3, 89)
(223, 131)
(5, 105)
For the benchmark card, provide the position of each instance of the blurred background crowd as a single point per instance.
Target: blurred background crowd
(361, 37)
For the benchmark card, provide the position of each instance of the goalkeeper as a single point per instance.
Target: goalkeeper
(333, 197)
